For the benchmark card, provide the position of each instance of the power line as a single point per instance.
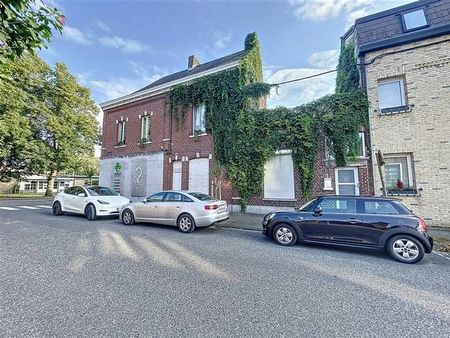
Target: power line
(302, 78)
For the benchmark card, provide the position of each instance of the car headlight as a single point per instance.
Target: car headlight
(103, 202)
(269, 216)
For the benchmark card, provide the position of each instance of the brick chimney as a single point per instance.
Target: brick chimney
(192, 62)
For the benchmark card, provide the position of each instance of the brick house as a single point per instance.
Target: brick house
(404, 54)
(143, 152)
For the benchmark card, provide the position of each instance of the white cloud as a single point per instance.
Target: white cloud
(317, 10)
(221, 40)
(297, 93)
(126, 45)
(116, 87)
(327, 59)
(74, 34)
(102, 25)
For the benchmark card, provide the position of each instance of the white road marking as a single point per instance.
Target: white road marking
(43, 206)
(27, 207)
(439, 254)
(8, 208)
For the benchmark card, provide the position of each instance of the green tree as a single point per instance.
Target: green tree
(26, 25)
(68, 127)
(88, 166)
(21, 98)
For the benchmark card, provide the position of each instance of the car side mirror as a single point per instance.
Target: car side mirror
(81, 195)
(318, 211)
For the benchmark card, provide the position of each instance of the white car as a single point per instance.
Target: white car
(91, 201)
(186, 210)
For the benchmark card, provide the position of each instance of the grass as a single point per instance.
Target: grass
(442, 244)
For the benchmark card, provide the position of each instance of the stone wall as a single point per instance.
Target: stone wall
(423, 130)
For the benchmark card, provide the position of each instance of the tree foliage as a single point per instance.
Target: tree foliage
(246, 137)
(26, 25)
(47, 119)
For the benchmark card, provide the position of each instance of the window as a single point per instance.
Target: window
(380, 207)
(145, 128)
(199, 119)
(391, 94)
(79, 190)
(398, 173)
(55, 184)
(30, 185)
(362, 144)
(121, 131)
(173, 197)
(338, 205)
(156, 197)
(414, 20)
(42, 185)
(201, 196)
(347, 181)
(279, 177)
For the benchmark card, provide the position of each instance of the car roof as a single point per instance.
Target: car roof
(359, 197)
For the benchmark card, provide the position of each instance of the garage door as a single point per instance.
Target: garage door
(199, 175)
(176, 178)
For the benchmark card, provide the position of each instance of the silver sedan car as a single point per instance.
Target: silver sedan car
(186, 210)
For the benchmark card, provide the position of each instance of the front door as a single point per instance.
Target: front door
(177, 175)
(347, 182)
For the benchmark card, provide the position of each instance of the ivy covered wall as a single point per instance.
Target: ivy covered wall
(246, 135)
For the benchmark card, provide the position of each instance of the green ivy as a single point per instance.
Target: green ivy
(246, 136)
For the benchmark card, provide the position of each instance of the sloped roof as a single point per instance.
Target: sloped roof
(198, 69)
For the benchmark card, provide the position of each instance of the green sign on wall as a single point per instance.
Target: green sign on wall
(117, 168)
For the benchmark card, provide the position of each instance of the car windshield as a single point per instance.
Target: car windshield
(101, 191)
(305, 207)
(202, 197)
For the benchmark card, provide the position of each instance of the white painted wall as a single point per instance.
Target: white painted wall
(154, 173)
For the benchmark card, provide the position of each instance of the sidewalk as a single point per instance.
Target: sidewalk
(253, 222)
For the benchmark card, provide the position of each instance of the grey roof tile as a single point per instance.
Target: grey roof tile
(198, 69)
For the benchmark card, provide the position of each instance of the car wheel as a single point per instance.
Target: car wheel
(186, 223)
(91, 213)
(405, 249)
(57, 209)
(127, 217)
(284, 234)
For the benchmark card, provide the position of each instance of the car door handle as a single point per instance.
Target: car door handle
(353, 221)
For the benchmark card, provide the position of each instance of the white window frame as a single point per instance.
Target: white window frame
(401, 169)
(409, 166)
(406, 29)
(121, 130)
(145, 124)
(195, 111)
(402, 91)
(362, 135)
(355, 175)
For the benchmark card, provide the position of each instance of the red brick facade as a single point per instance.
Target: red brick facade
(178, 143)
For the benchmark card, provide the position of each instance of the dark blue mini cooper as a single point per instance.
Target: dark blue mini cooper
(357, 221)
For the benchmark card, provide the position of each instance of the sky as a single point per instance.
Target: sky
(116, 47)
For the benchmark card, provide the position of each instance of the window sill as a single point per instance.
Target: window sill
(280, 199)
(148, 142)
(121, 146)
(202, 134)
(395, 110)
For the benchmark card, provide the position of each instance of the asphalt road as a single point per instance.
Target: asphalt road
(66, 276)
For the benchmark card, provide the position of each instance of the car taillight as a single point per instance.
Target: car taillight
(423, 227)
(211, 207)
